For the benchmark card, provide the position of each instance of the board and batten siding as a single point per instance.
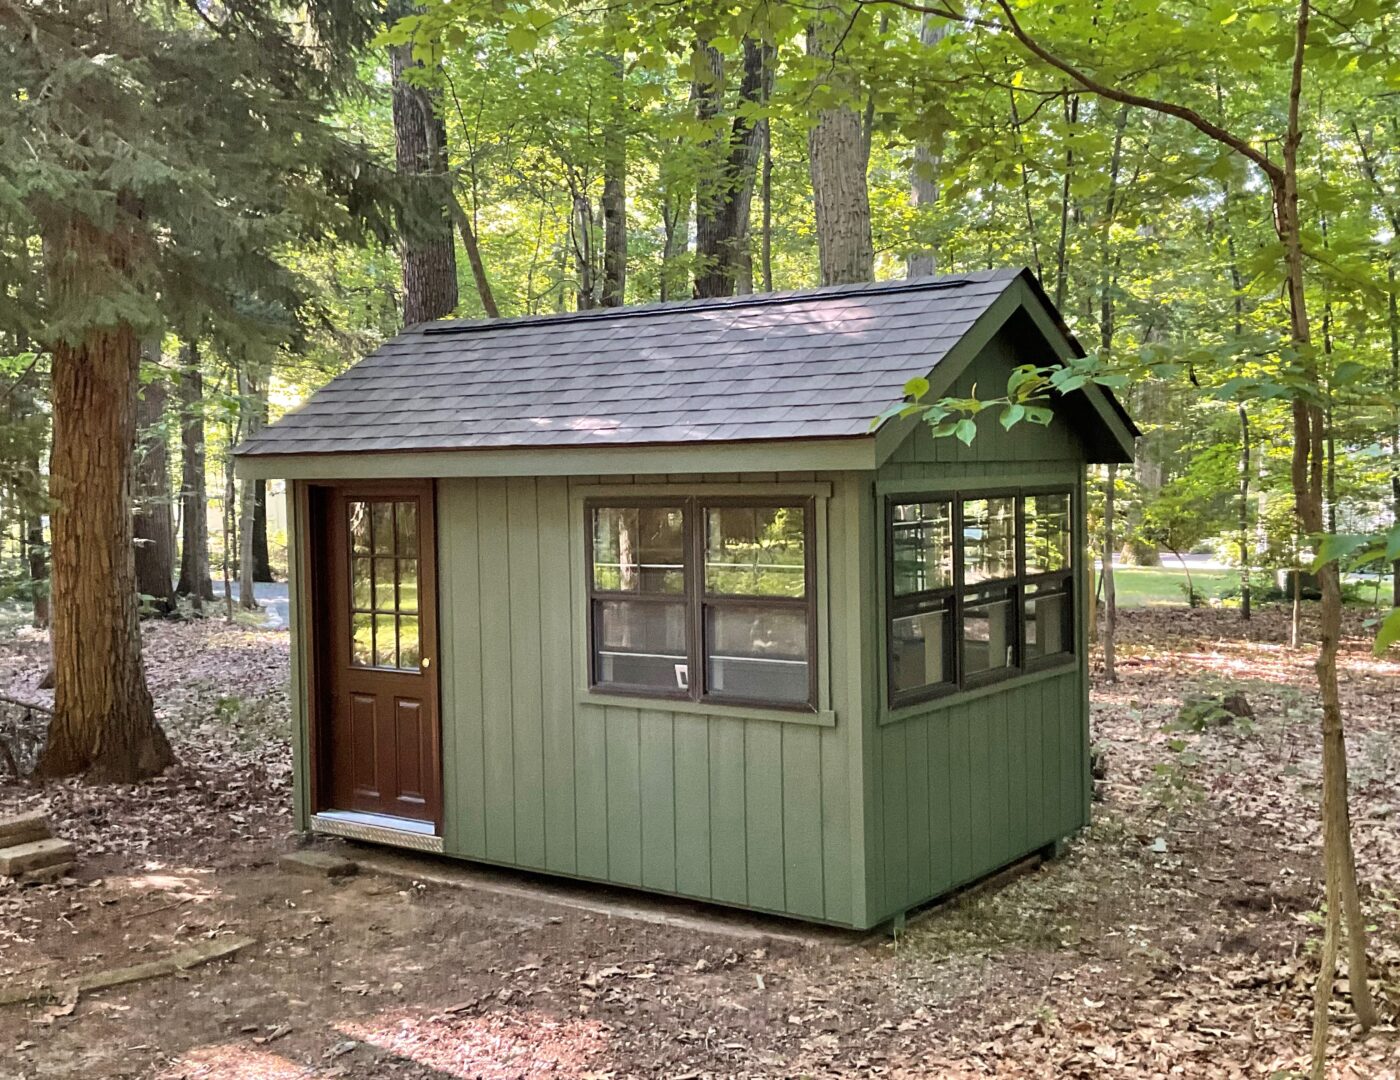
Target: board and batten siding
(966, 784)
(708, 803)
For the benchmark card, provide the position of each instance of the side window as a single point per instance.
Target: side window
(1048, 618)
(700, 600)
(756, 607)
(988, 556)
(637, 590)
(921, 639)
(980, 587)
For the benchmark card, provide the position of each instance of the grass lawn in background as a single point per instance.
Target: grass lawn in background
(1165, 586)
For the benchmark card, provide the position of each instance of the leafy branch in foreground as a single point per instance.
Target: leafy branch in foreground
(1029, 390)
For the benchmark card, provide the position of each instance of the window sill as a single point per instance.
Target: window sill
(819, 718)
(961, 697)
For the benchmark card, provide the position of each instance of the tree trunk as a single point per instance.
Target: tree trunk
(1246, 542)
(1110, 595)
(614, 202)
(923, 179)
(1061, 245)
(104, 723)
(262, 559)
(38, 569)
(583, 251)
(724, 190)
(250, 408)
(766, 240)
(152, 526)
(837, 158)
(1307, 472)
(1393, 316)
(426, 250)
(194, 503)
(473, 248)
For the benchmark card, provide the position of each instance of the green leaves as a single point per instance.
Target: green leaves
(1389, 632)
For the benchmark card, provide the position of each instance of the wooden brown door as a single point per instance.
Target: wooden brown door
(378, 628)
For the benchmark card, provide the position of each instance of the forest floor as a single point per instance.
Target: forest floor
(1177, 937)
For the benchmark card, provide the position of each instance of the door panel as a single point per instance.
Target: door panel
(377, 623)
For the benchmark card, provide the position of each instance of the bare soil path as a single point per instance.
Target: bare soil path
(1178, 937)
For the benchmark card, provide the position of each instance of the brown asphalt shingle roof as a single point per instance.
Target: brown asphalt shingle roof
(811, 364)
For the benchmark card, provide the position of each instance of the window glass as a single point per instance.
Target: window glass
(639, 549)
(1049, 621)
(757, 652)
(923, 547)
(1047, 533)
(384, 587)
(641, 644)
(921, 647)
(989, 540)
(988, 632)
(755, 551)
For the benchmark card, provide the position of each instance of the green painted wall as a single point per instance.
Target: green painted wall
(739, 806)
(964, 785)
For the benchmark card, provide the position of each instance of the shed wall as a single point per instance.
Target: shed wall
(707, 803)
(966, 784)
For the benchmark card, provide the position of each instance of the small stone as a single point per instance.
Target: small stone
(317, 863)
(46, 875)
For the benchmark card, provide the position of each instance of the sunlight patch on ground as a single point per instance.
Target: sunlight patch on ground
(495, 1046)
(232, 1061)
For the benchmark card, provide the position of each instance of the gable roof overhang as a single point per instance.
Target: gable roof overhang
(1105, 428)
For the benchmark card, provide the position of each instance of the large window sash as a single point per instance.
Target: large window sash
(764, 671)
(994, 628)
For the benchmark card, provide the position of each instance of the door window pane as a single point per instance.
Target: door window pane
(755, 551)
(383, 584)
(360, 585)
(756, 652)
(639, 549)
(923, 547)
(382, 527)
(410, 653)
(362, 639)
(385, 652)
(989, 540)
(989, 632)
(642, 644)
(359, 527)
(1049, 621)
(921, 648)
(1047, 533)
(406, 528)
(408, 585)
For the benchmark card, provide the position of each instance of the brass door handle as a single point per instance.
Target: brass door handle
(427, 662)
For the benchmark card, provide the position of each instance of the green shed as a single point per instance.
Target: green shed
(638, 596)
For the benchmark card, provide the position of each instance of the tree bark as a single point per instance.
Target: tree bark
(1245, 540)
(582, 242)
(1393, 318)
(152, 524)
(194, 502)
(250, 409)
(262, 557)
(724, 190)
(473, 248)
(837, 158)
(38, 559)
(614, 201)
(104, 723)
(923, 179)
(427, 253)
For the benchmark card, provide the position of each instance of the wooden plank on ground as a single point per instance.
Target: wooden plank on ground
(69, 989)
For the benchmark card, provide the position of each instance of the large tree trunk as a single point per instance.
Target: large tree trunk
(103, 722)
(194, 502)
(724, 191)
(262, 557)
(152, 524)
(427, 252)
(38, 559)
(923, 179)
(837, 158)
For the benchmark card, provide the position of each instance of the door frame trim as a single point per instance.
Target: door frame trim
(311, 598)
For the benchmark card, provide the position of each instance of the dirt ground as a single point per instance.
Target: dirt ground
(1178, 937)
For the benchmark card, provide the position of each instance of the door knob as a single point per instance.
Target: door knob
(427, 662)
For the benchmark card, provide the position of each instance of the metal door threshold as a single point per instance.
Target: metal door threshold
(378, 829)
